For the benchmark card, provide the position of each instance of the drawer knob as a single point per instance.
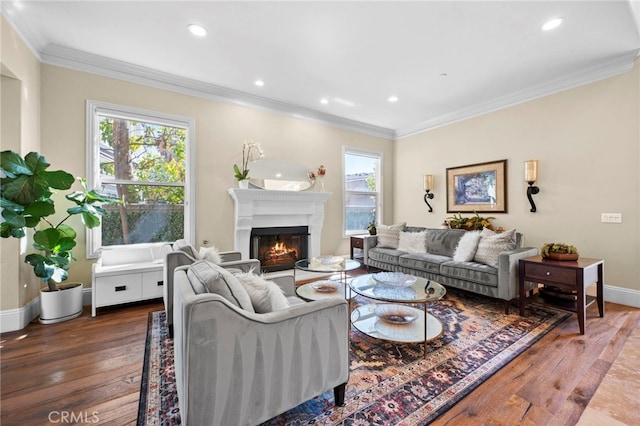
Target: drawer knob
(121, 287)
(548, 273)
(160, 283)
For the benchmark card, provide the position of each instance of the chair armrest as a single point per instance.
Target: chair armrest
(508, 271)
(172, 260)
(229, 256)
(285, 281)
(370, 241)
(247, 265)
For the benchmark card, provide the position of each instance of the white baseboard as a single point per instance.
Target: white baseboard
(622, 296)
(17, 319)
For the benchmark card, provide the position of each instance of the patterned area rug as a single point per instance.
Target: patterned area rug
(389, 383)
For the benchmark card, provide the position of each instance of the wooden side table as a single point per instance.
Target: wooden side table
(357, 241)
(568, 276)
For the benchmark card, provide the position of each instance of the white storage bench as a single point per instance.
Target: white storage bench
(128, 274)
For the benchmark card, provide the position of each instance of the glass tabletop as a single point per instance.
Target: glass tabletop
(420, 291)
(313, 265)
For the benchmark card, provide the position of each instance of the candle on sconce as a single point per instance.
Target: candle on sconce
(428, 182)
(531, 170)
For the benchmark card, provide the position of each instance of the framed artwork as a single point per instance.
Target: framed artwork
(478, 187)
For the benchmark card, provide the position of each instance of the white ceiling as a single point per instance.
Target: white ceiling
(355, 54)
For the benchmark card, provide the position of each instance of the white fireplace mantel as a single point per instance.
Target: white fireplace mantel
(264, 208)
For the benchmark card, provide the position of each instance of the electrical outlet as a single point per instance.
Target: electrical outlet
(611, 218)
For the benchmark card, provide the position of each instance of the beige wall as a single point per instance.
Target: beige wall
(588, 142)
(20, 93)
(221, 129)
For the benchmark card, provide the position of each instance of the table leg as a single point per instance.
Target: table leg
(521, 292)
(581, 302)
(600, 291)
(425, 330)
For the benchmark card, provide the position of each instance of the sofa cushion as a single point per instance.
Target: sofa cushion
(470, 271)
(389, 235)
(207, 277)
(443, 241)
(423, 262)
(492, 244)
(467, 246)
(386, 255)
(266, 296)
(413, 242)
(182, 245)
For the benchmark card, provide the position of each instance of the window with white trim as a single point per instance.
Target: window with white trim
(144, 159)
(362, 183)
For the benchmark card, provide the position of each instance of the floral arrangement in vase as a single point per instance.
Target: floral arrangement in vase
(251, 151)
(317, 177)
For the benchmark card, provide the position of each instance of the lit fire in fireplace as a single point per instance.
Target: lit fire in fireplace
(280, 253)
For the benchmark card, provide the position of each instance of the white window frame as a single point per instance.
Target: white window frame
(366, 153)
(93, 110)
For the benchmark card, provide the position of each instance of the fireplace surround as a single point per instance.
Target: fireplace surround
(263, 208)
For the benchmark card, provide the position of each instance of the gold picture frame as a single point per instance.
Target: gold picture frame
(478, 188)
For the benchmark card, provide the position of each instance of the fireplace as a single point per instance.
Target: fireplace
(278, 248)
(264, 208)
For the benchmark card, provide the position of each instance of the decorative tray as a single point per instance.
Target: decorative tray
(325, 286)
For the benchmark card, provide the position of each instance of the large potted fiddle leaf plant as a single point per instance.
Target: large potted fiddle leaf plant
(27, 202)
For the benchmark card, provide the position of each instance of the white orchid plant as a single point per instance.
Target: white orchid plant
(251, 151)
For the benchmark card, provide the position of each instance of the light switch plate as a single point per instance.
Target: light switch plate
(611, 218)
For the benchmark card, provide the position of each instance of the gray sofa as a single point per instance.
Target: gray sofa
(437, 263)
(237, 367)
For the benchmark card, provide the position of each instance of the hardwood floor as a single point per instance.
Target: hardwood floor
(91, 368)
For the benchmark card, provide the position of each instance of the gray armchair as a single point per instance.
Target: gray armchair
(181, 255)
(236, 367)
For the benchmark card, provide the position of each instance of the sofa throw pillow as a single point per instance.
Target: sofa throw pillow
(212, 254)
(207, 277)
(184, 246)
(467, 246)
(389, 235)
(492, 244)
(413, 242)
(266, 296)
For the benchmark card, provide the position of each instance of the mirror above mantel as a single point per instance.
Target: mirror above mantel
(279, 174)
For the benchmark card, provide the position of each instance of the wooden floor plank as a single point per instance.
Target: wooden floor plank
(95, 364)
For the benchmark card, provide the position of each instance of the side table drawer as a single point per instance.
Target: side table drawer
(357, 242)
(549, 273)
(152, 285)
(118, 289)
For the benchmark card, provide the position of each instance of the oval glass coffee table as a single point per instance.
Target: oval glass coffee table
(395, 319)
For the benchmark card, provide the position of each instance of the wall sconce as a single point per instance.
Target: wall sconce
(531, 176)
(428, 186)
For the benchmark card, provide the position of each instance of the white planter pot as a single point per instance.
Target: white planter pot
(62, 305)
(243, 184)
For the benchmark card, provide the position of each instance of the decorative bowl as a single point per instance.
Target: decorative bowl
(395, 314)
(325, 286)
(394, 279)
(328, 260)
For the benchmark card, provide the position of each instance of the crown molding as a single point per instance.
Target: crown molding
(32, 39)
(616, 65)
(100, 65)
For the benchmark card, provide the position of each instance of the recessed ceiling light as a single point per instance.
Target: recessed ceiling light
(443, 75)
(393, 99)
(552, 23)
(197, 30)
(259, 83)
(324, 101)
